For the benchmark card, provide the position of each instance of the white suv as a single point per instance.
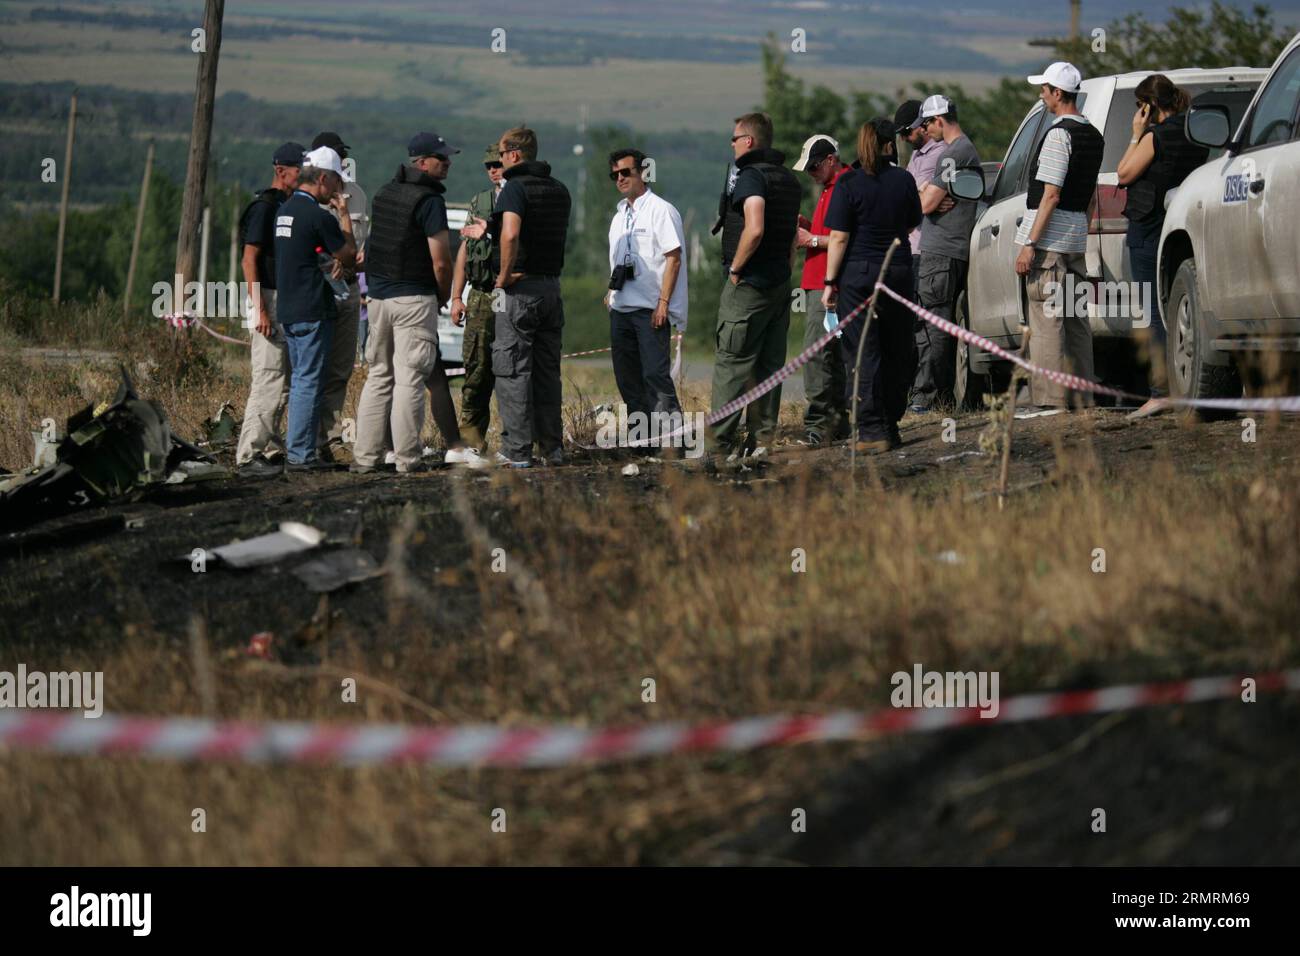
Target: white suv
(1229, 264)
(451, 338)
(994, 302)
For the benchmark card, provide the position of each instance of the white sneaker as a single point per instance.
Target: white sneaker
(465, 456)
(390, 458)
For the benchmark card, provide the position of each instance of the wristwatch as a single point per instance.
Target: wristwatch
(831, 282)
(814, 242)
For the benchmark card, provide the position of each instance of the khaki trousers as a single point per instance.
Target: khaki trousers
(1058, 339)
(268, 394)
(339, 363)
(401, 351)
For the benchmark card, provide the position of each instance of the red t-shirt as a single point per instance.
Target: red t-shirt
(814, 263)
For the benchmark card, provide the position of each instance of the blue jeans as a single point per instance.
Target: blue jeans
(308, 343)
(1142, 263)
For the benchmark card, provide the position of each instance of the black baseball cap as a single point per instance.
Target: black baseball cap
(333, 140)
(429, 144)
(906, 114)
(290, 154)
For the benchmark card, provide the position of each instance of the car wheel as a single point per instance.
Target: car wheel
(968, 386)
(1190, 375)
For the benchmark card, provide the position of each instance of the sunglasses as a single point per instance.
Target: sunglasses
(616, 174)
(492, 165)
(741, 136)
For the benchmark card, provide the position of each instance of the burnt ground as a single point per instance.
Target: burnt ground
(1207, 783)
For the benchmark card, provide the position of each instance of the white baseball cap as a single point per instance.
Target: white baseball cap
(813, 152)
(935, 105)
(323, 157)
(1062, 75)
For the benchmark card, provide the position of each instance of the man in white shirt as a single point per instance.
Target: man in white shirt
(647, 288)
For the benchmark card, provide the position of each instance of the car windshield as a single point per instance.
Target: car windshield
(1119, 123)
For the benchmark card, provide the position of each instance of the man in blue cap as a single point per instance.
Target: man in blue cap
(261, 448)
(408, 278)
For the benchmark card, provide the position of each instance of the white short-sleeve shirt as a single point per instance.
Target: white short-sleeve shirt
(646, 231)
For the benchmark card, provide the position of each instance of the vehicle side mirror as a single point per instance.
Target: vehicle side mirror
(968, 183)
(1209, 126)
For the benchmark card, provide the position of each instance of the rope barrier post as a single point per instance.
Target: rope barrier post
(857, 364)
(1017, 377)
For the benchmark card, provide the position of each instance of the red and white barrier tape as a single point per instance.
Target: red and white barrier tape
(1290, 403)
(190, 738)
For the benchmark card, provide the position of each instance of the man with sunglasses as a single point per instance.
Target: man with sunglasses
(477, 262)
(647, 288)
(824, 382)
(758, 214)
(529, 224)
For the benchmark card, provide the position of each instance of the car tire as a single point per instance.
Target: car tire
(1190, 375)
(969, 386)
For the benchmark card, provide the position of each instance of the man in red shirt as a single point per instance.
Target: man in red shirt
(827, 417)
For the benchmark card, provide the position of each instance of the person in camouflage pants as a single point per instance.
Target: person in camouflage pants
(477, 263)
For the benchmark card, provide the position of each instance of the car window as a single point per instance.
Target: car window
(1018, 155)
(1274, 118)
(1119, 121)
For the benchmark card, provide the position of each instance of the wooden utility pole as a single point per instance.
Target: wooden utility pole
(204, 243)
(63, 203)
(139, 228)
(196, 167)
(234, 239)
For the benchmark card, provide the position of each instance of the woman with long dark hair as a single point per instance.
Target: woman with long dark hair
(1159, 157)
(874, 204)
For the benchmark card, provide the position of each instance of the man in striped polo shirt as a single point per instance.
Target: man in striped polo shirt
(1054, 237)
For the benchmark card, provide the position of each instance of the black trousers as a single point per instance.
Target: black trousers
(888, 355)
(641, 363)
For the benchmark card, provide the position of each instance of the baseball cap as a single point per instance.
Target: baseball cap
(1062, 75)
(815, 148)
(290, 154)
(492, 154)
(936, 105)
(906, 114)
(324, 158)
(429, 144)
(331, 139)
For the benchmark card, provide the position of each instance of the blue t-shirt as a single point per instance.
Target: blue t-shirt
(874, 211)
(302, 226)
(431, 214)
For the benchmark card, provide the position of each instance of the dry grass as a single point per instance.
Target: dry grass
(681, 579)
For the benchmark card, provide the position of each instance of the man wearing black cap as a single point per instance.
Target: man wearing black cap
(259, 437)
(826, 418)
(343, 346)
(408, 278)
(921, 164)
(530, 224)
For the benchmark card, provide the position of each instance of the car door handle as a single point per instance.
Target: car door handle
(995, 228)
(1020, 220)
(1257, 186)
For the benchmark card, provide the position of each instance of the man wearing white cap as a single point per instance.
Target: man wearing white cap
(823, 378)
(304, 231)
(945, 252)
(1054, 234)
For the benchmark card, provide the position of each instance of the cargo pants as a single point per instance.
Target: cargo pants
(268, 394)
(526, 366)
(751, 337)
(476, 389)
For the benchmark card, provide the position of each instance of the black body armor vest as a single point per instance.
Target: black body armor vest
(397, 247)
(1176, 157)
(545, 225)
(781, 209)
(1086, 147)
